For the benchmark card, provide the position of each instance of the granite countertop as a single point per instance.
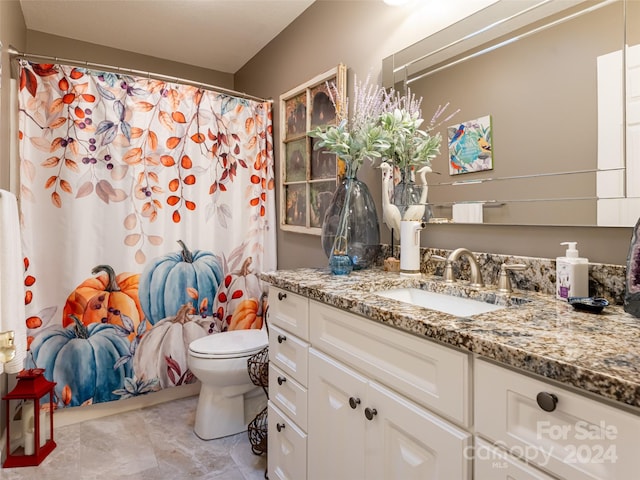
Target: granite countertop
(599, 353)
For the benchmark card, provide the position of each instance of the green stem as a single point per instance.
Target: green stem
(80, 329)
(187, 256)
(112, 285)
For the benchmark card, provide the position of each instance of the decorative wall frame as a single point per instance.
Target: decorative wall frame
(308, 177)
(470, 146)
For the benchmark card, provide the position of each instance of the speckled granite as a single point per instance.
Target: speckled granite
(605, 280)
(599, 353)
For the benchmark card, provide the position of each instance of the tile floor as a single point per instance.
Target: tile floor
(153, 443)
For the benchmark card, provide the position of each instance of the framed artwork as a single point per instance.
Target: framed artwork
(308, 177)
(470, 146)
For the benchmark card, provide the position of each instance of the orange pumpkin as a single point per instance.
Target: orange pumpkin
(246, 315)
(106, 298)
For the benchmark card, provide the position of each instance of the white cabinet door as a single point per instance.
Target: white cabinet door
(493, 463)
(288, 353)
(287, 458)
(359, 429)
(335, 429)
(405, 441)
(432, 375)
(289, 311)
(568, 434)
(288, 395)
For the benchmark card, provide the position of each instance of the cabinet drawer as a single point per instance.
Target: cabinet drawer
(493, 463)
(579, 439)
(289, 353)
(288, 395)
(289, 311)
(287, 447)
(432, 375)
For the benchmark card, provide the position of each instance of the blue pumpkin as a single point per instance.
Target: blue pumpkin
(82, 358)
(164, 283)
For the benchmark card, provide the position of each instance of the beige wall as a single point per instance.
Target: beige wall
(62, 47)
(360, 34)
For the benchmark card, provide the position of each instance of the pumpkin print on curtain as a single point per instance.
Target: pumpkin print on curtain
(147, 215)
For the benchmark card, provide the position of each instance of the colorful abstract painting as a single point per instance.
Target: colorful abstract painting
(470, 146)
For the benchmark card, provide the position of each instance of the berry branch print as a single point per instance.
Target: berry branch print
(163, 150)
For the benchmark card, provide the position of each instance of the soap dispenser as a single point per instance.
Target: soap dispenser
(572, 274)
(410, 247)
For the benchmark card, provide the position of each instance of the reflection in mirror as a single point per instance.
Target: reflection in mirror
(554, 90)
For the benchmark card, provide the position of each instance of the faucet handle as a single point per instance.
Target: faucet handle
(448, 269)
(504, 282)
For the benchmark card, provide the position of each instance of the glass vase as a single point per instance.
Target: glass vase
(409, 197)
(350, 224)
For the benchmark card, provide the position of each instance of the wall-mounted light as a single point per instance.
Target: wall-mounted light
(396, 3)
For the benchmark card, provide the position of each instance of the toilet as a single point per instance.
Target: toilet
(220, 363)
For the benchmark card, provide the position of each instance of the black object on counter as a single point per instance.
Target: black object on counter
(588, 304)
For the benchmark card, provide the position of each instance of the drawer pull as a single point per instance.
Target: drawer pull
(282, 296)
(279, 426)
(354, 402)
(281, 380)
(370, 413)
(281, 338)
(547, 401)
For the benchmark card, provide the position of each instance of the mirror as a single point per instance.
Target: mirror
(549, 74)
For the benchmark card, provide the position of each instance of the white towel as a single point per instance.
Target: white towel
(12, 311)
(467, 212)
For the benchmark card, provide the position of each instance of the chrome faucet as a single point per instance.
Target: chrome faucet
(476, 275)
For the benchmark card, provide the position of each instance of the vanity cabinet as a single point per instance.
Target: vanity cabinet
(360, 429)
(373, 392)
(288, 370)
(560, 431)
(352, 398)
(430, 374)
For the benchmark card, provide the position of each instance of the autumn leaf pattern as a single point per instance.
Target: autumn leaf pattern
(154, 145)
(113, 170)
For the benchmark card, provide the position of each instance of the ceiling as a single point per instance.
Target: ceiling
(220, 35)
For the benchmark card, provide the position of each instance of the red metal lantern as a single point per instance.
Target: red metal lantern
(36, 441)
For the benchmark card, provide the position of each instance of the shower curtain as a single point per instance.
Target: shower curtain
(147, 214)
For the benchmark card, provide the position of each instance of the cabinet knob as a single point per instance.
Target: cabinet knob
(547, 401)
(281, 380)
(282, 296)
(281, 338)
(370, 413)
(279, 426)
(354, 402)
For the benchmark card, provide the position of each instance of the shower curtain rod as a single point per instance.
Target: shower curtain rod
(13, 53)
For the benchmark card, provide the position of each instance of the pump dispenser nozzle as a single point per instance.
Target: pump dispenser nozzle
(572, 251)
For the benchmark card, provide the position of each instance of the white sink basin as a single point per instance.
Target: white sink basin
(461, 307)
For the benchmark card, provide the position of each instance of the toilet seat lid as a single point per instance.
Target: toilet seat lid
(236, 343)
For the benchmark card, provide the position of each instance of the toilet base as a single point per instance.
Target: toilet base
(220, 415)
